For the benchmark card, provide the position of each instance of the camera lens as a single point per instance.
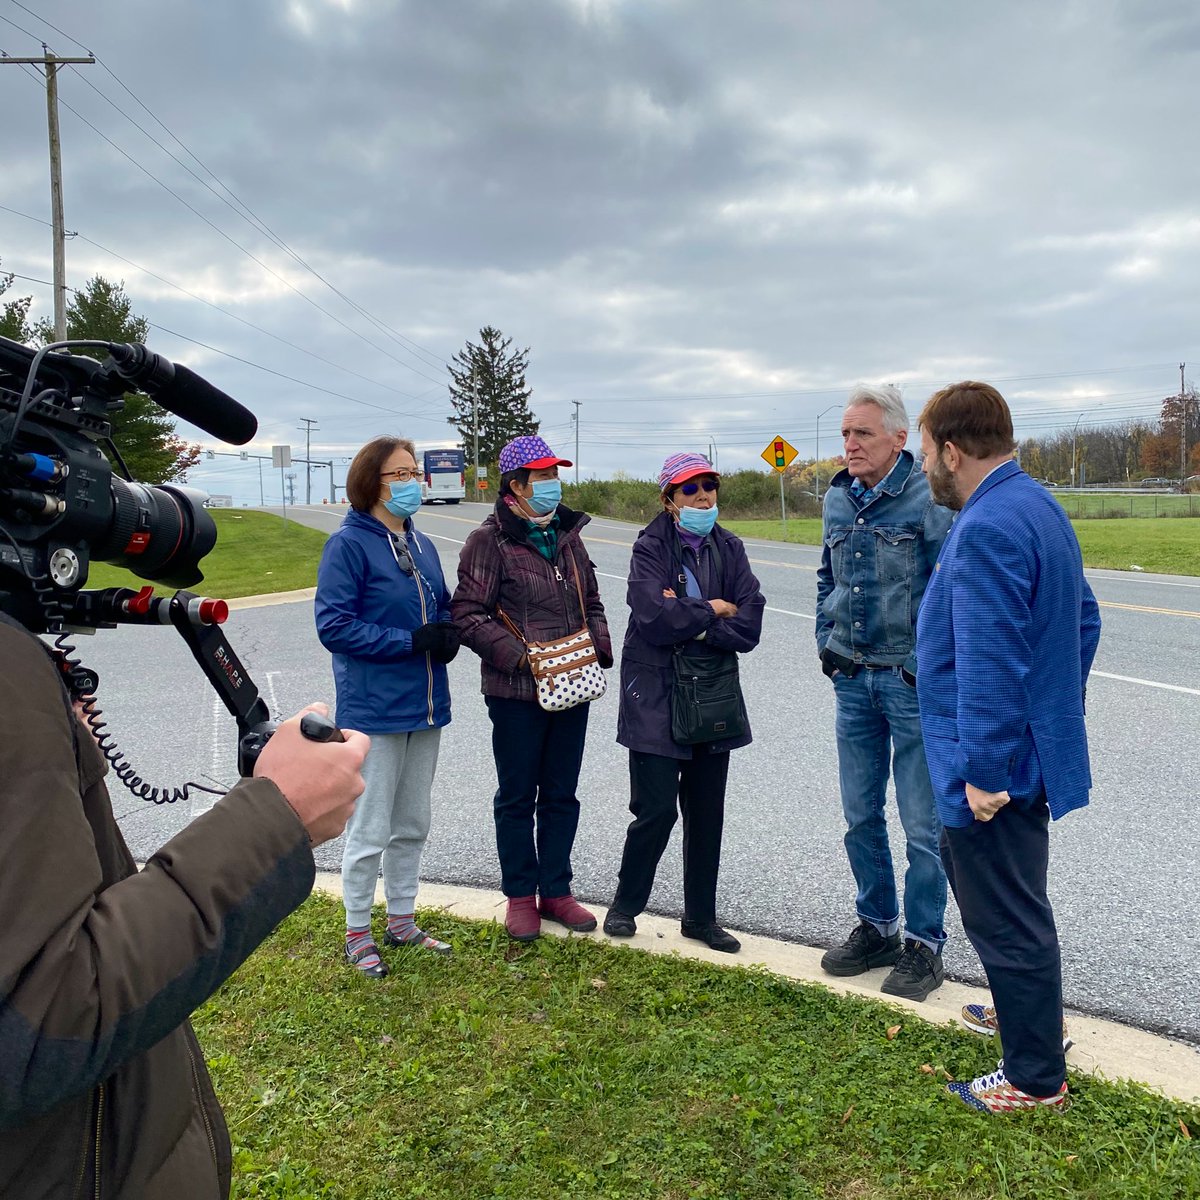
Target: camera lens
(159, 532)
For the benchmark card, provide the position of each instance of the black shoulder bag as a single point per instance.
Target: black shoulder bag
(706, 694)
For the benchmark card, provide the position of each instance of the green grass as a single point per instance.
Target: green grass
(1168, 547)
(255, 552)
(1098, 505)
(805, 530)
(569, 1067)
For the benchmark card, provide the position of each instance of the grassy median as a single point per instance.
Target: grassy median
(255, 552)
(569, 1067)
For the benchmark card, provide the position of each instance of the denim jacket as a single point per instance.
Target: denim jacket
(875, 564)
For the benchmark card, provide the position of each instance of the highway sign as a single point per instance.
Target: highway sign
(779, 455)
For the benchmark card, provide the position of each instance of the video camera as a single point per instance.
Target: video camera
(62, 507)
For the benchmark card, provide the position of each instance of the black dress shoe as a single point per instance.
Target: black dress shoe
(712, 935)
(618, 924)
(378, 971)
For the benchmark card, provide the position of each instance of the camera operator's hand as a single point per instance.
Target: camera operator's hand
(439, 639)
(320, 780)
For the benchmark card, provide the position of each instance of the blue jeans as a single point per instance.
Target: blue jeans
(879, 730)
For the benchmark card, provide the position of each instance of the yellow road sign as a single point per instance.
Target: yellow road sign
(779, 455)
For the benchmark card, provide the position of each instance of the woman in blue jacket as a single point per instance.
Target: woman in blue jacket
(383, 610)
(690, 584)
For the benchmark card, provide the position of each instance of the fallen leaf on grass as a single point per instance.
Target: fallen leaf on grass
(386, 1040)
(926, 1069)
(1187, 1133)
(1071, 1157)
(892, 1031)
(537, 1016)
(847, 1114)
(736, 1098)
(599, 984)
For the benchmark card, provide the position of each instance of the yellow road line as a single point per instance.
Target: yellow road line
(1166, 612)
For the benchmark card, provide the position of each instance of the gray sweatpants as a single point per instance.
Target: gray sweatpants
(390, 821)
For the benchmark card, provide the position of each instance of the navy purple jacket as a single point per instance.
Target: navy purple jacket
(657, 625)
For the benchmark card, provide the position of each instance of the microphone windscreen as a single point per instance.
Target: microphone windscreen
(194, 399)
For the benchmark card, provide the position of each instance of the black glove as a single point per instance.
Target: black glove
(449, 645)
(438, 639)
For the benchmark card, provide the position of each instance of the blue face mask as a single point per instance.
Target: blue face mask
(406, 499)
(698, 520)
(547, 496)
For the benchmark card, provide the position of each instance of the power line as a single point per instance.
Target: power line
(242, 209)
(224, 311)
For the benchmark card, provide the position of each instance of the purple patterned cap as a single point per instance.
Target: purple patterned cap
(529, 451)
(681, 467)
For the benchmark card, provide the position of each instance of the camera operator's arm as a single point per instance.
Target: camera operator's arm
(97, 962)
(340, 579)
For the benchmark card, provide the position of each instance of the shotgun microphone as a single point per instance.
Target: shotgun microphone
(181, 391)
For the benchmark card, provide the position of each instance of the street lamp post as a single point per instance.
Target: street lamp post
(817, 454)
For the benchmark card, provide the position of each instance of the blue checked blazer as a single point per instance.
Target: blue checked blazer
(1006, 634)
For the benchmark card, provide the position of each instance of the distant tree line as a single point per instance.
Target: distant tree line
(1123, 452)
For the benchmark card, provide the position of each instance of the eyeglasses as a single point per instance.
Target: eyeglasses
(692, 487)
(401, 476)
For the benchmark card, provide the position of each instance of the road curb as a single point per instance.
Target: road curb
(1102, 1048)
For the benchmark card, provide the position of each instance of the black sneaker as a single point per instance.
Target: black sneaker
(619, 924)
(865, 948)
(917, 973)
(711, 934)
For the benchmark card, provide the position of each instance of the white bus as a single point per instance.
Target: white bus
(444, 476)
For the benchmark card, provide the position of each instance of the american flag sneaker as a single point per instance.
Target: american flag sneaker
(981, 1018)
(994, 1094)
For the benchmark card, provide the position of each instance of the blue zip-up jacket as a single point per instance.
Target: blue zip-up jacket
(367, 606)
(875, 564)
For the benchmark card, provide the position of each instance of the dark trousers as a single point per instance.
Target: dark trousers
(997, 870)
(656, 785)
(538, 756)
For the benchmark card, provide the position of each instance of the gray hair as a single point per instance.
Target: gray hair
(886, 398)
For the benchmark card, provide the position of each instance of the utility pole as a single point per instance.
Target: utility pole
(309, 422)
(817, 454)
(475, 423)
(1074, 435)
(575, 418)
(1183, 411)
(51, 63)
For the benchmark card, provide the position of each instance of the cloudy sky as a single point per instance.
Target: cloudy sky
(706, 219)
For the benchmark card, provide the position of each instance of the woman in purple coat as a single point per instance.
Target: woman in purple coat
(690, 584)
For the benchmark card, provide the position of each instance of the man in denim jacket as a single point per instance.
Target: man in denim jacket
(882, 534)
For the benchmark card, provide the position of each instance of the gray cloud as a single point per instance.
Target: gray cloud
(667, 203)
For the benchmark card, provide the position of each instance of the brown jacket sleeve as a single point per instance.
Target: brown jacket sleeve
(94, 970)
(473, 606)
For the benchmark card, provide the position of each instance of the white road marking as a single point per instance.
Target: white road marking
(1167, 687)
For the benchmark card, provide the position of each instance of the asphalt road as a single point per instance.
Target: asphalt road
(1121, 869)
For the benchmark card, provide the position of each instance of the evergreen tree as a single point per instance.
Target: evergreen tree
(14, 314)
(498, 374)
(143, 432)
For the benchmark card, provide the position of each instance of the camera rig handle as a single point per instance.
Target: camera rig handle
(198, 621)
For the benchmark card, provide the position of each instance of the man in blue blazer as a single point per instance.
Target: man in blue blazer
(1005, 638)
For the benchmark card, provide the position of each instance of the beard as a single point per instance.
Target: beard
(942, 485)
